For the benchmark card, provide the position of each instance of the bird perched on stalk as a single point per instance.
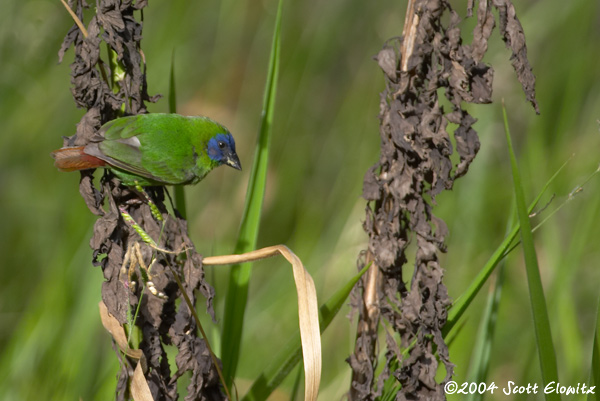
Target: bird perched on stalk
(154, 149)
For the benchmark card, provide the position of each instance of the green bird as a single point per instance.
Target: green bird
(154, 149)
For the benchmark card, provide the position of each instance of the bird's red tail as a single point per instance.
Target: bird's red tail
(74, 158)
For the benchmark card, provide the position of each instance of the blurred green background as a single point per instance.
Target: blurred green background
(52, 344)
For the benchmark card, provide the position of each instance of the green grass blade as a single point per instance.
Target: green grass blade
(179, 189)
(239, 278)
(297, 383)
(480, 360)
(546, 353)
(461, 304)
(391, 386)
(285, 361)
(172, 90)
(595, 371)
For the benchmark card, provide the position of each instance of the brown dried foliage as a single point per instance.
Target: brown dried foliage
(415, 166)
(161, 322)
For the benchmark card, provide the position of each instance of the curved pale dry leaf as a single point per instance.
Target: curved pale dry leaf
(139, 386)
(140, 391)
(308, 310)
(112, 325)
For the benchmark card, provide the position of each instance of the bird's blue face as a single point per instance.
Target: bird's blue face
(221, 148)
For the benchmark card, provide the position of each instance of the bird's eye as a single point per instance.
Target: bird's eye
(221, 144)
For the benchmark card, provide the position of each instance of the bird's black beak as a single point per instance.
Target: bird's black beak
(233, 160)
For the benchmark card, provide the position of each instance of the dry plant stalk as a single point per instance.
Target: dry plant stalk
(415, 166)
(160, 322)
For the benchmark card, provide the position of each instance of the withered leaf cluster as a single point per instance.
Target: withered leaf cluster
(160, 321)
(415, 165)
